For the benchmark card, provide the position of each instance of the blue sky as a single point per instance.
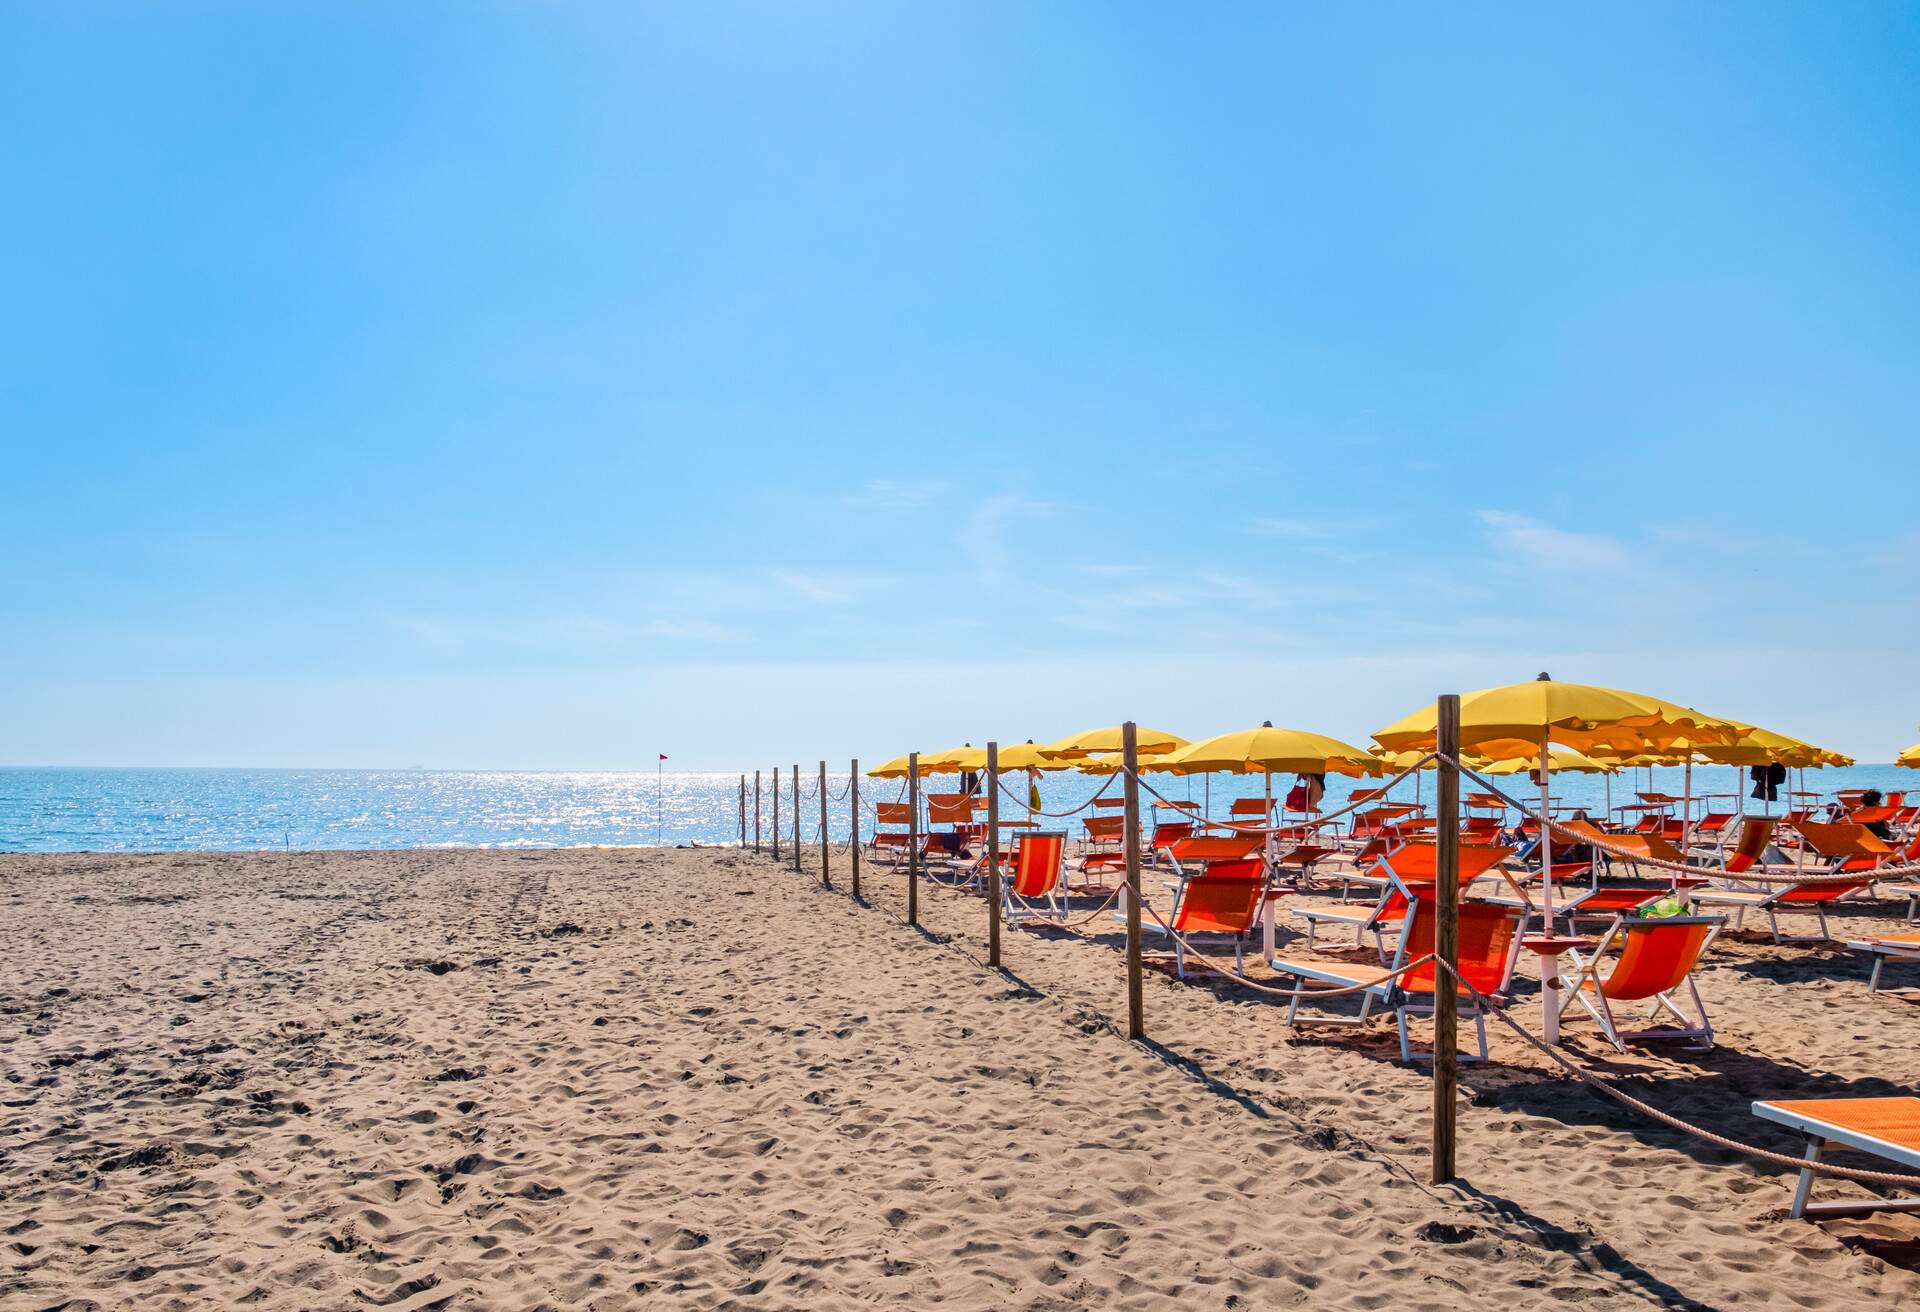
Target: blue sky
(547, 386)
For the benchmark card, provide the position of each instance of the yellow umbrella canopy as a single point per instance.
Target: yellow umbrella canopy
(952, 761)
(1267, 750)
(1910, 757)
(1146, 741)
(1755, 747)
(1109, 763)
(1558, 759)
(955, 760)
(1029, 756)
(1512, 721)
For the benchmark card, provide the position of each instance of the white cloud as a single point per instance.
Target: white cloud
(691, 630)
(992, 529)
(827, 589)
(1542, 546)
(1268, 526)
(897, 494)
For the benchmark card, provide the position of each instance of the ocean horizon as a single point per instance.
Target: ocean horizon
(189, 808)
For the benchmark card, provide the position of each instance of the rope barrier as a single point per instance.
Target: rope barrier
(1094, 914)
(1058, 815)
(1660, 863)
(1296, 992)
(1318, 821)
(1667, 1118)
(1486, 1004)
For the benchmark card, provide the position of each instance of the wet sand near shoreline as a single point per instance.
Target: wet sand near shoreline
(625, 1077)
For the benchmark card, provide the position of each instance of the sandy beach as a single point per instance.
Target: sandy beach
(611, 1078)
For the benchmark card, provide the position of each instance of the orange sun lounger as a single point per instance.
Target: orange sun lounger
(1657, 958)
(1489, 945)
(1201, 851)
(1885, 948)
(1407, 868)
(1884, 1127)
(1848, 849)
(1223, 900)
(1037, 863)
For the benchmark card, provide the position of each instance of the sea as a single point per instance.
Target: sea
(172, 810)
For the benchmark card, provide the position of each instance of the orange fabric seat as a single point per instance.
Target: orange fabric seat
(1205, 849)
(1038, 859)
(1657, 957)
(1489, 944)
(1225, 899)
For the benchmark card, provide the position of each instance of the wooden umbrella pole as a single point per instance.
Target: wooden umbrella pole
(913, 838)
(1446, 940)
(1130, 758)
(993, 854)
(853, 821)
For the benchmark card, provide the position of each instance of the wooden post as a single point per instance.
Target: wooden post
(743, 810)
(1130, 759)
(756, 811)
(776, 813)
(1446, 940)
(913, 838)
(993, 854)
(796, 818)
(853, 821)
(826, 875)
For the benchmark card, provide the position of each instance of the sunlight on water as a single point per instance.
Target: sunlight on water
(44, 810)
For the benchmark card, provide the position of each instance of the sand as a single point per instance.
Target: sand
(618, 1078)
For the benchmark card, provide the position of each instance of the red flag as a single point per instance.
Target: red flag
(663, 756)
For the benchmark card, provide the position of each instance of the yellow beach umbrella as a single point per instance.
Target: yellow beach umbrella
(1764, 747)
(1517, 719)
(1267, 750)
(1146, 742)
(1559, 759)
(1909, 758)
(1524, 719)
(955, 760)
(1109, 763)
(1030, 756)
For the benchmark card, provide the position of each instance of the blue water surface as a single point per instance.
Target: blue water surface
(145, 810)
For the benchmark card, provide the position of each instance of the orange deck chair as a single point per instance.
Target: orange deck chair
(1038, 859)
(1225, 899)
(1376, 819)
(1407, 869)
(1657, 958)
(1165, 834)
(894, 840)
(955, 811)
(1489, 945)
(1848, 849)
(1196, 853)
(1104, 833)
(1250, 810)
(1756, 835)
